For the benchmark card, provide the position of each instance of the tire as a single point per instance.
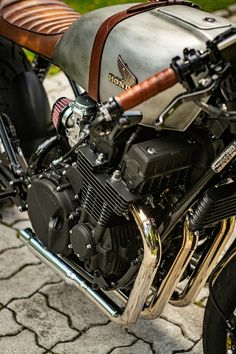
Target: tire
(214, 326)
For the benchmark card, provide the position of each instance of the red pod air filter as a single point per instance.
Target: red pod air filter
(58, 107)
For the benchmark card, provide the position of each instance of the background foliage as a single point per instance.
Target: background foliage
(85, 5)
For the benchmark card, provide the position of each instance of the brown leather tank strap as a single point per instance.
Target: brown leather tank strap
(106, 28)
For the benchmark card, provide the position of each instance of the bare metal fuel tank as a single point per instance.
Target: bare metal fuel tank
(141, 45)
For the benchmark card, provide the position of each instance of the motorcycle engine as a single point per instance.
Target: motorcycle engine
(79, 208)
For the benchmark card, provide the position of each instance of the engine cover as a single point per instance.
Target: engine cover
(159, 163)
(49, 211)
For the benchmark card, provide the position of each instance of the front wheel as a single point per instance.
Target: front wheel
(214, 326)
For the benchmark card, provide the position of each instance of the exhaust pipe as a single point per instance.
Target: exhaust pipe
(143, 282)
(69, 275)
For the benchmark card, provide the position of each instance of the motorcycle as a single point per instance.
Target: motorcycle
(134, 207)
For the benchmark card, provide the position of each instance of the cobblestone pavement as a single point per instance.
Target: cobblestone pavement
(39, 313)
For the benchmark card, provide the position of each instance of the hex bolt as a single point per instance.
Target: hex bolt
(151, 151)
(116, 176)
(71, 217)
(89, 246)
(11, 183)
(29, 186)
(58, 189)
(151, 201)
(70, 246)
(76, 197)
(100, 159)
(64, 173)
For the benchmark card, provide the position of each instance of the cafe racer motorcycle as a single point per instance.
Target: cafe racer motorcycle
(131, 186)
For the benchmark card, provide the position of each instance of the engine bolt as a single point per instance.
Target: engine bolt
(11, 183)
(116, 175)
(70, 232)
(41, 176)
(100, 159)
(151, 201)
(71, 217)
(89, 246)
(29, 186)
(20, 208)
(70, 246)
(76, 197)
(151, 151)
(64, 173)
(74, 164)
(58, 189)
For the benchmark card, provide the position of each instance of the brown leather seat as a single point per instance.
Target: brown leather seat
(37, 25)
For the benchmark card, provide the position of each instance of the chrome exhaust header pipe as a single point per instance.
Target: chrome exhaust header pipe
(143, 282)
(203, 270)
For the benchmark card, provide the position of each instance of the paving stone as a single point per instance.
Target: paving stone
(8, 238)
(202, 297)
(23, 343)
(97, 340)
(13, 260)
(233, 18)
(197, 349)
(69, 299)
(164, 336)
(26, 282)
(8, 324)
(10, 215)
(221, 13)
(232, 9)
(139, 347)
(190, 319)
(58, 87)
(22, 224)
(50, 326)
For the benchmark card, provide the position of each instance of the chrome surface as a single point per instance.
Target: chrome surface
(172, 278)
(206, 265)
(151, 260)
(229, 42)
(68, 274)
(144, 279)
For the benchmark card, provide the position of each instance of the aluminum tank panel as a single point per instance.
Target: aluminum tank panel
(146, 43)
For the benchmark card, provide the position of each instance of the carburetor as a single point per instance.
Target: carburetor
(72, 117)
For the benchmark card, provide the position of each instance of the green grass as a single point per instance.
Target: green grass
(84, 5)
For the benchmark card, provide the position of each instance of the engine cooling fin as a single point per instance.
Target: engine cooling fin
(217, 204)
(102, 196)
